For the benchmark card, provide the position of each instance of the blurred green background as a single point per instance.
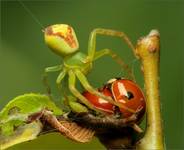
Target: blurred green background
(23, 54)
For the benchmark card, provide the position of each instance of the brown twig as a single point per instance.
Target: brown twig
(67, 128)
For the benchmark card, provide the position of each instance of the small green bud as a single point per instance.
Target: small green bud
(76, 106)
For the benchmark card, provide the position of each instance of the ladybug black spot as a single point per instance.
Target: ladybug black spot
(130, 95)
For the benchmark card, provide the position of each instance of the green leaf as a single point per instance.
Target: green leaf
(23, 133)
(8, 127)
(17, 111)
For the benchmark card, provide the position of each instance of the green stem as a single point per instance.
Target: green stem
(148, 51)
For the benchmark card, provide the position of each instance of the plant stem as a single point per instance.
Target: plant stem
(148, 51)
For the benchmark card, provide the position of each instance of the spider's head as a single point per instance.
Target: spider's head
(61, 39)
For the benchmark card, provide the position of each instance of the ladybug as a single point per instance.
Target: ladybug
(122, 90)
(100, 103)
(128, 93)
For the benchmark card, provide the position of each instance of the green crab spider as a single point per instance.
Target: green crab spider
(61, 39)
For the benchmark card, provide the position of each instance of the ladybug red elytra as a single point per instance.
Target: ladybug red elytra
(98, 102)
(123, 91)
(129, 93)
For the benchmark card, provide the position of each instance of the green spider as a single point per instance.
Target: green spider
(62, 40)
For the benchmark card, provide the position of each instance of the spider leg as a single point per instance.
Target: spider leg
(89, 88)
(60, 78)
(45, 76)
(53, 68)
(106, 32)
(114, 56)
(76, 93)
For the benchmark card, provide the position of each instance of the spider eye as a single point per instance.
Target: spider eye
(61, 39)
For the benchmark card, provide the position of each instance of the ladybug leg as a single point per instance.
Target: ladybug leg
(117, 112)
(118, 60)
(137, 128)
(128, 121)
(89, 88)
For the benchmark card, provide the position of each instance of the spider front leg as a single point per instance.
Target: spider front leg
(106, 32)
(45, 76)
(92, 54)
(89, 88)
(114, 56)
(76, 93)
